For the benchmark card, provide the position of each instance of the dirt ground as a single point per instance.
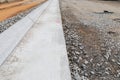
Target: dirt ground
(8, 10)
(112, 3)
(92, 32)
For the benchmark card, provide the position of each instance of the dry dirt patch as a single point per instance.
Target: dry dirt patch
(9, 10)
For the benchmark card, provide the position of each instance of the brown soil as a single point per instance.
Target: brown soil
(8, 5)
(11, 9)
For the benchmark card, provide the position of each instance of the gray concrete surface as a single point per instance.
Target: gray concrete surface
(12, 36)
(41, 55)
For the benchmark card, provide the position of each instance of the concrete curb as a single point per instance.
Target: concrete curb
(12, 36)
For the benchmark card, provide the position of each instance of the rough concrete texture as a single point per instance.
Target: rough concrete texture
(41, 55)
(12, 36)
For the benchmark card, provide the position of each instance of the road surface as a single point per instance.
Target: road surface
(92, 38)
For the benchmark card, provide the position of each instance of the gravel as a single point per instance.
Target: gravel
(93, 41)
(9, 22)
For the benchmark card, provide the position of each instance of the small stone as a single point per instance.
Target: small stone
(86, 74)
(98, 64)
(86, 56)
(91, 60)
(106, 62)
(81, 47)
(86, 62)
(80, 58)
(77, 52)
(107, 56)
(118, 63)
(84, 78)
(107, 73)
(92, 72)
(113, 60)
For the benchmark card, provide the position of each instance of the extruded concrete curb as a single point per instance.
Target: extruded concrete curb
(41, 54)
(11, 37)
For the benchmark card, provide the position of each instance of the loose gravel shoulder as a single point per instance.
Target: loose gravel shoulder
(93, 39)
(9, 22)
